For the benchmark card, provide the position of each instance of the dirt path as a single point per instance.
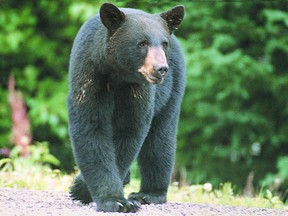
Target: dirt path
(28, 202)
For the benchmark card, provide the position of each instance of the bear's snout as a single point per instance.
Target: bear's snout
(155, 65)
(156, 75)
(160, 70)
(159, 73)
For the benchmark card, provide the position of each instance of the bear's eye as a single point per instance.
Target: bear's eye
(143, 43)
(165, 44)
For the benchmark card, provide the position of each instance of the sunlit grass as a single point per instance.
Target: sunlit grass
(222, 196)
(22, 173)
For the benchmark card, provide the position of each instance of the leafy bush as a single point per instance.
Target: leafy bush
(234, 112)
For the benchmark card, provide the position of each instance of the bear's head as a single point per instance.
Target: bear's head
(139, 43)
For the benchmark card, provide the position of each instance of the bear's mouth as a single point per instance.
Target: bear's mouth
(152, 78)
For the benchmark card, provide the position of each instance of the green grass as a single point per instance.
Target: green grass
(24, 173)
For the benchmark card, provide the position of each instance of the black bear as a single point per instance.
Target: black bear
(127, 79)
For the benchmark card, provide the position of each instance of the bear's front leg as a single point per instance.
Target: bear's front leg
(156, 158)
(133, 113)
(94, 151)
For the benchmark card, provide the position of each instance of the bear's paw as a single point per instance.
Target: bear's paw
(148, 198)
(118, 206)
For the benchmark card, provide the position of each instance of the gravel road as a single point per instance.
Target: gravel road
(29, 202)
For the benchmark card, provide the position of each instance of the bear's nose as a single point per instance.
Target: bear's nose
(161, 70)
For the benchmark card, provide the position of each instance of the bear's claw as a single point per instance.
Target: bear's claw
(119, 206)
(148, 198)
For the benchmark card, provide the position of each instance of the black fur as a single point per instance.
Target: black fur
(115, 114)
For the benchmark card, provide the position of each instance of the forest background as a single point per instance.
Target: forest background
(235, 110)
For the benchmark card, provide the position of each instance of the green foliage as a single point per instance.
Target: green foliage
(5, 124)
(37, 38)
(279, 180)
(235, 112)
(39, 154)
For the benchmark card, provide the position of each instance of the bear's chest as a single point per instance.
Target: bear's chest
(133, 106)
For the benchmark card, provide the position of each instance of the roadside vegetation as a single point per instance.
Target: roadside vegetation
(35, 173)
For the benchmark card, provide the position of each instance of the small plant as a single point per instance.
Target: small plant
(34, 171)
(21, 134)
(39, 154)
(277, 183)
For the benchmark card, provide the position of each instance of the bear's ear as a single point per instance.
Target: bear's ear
(173, 17)
(111, 16)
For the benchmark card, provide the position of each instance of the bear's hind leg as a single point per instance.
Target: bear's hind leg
(79, 190)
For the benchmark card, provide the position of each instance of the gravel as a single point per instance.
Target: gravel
(29, 202)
